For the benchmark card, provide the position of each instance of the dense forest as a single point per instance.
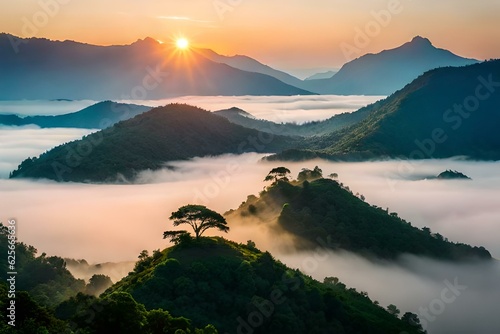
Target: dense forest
(438, 115)
(315, 207)
(240, 289)
(147, 141)
(200, 286)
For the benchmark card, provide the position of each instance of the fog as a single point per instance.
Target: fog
(37, 107)
(19, 143)
(102, 223)
(281, 109)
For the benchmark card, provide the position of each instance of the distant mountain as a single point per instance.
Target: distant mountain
(147, 141)
(446, 112)
(323, 75)
(310, 129)
(98, 116)
(240, 289)
(452, 175)
(248, 64)
(385, 72)
(36, 68)
(322, 209)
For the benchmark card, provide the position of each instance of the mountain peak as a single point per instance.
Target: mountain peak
(419, 40)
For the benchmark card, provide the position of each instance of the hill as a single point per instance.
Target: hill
(310, 129)
(324, 209)
(98, 116)
(147, 141)
(36, 68)
(385, 72)
(322, 75)
(445, 112)
(239, 289)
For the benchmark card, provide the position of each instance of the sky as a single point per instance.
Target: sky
(286, 34)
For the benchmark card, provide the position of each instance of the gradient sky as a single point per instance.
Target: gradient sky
(287, 34)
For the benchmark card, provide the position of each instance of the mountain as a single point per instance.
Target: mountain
(322, 75)
(248, 64)
(315, 208)
(239, 289)
(310, 129)
(444, 113)
(147, 141)
(36, 68)
(385, 72)
(98, 116)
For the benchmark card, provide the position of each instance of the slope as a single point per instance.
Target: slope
(36, 68)
(242, 290)
(385, 72)
(147, 141)
(97, 116)
(248, 64)
(324, 209)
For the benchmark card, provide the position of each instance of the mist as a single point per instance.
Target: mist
(19, 143)
(43, 107)
(280, 109)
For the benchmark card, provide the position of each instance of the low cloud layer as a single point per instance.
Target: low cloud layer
(35, 107)
(281, 109)
(19, 143)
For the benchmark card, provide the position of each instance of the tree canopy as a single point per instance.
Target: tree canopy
(278, 174)
(199, 217)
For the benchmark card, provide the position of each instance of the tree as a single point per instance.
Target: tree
(174, 236)
(278, 174)
(392, 309)
(98, 283)
(199, 217)
(307, 174)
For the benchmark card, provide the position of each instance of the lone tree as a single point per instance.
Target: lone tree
(199, 217)
(278, 174)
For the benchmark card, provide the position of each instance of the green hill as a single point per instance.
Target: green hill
(309, 129)
(327, 211)
(239, 289)
(147, 141)
(444, 113)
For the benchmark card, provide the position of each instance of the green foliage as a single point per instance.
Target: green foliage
(310, 175)
(147, 141)
(44, 277)
(327, 212)
(236, 287)
(278, 174)
(199, 217)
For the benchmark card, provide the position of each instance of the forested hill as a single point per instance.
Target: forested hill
(445, 112)
(239, 289)
(327, 209)
(148, 141)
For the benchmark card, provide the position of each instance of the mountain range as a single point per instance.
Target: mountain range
(385, 72)
(37, 68)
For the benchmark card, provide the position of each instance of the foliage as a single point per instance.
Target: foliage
(147, 141)
(199, 217)
(278, 174)
(238, 288)
(327, 210)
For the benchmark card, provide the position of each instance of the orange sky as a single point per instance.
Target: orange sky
(287, 34)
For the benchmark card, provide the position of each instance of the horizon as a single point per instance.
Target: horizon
(359, 28)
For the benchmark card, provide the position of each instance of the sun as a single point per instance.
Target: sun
(182, 43)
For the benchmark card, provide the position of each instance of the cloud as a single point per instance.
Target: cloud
(19, 143)
(281, 109)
